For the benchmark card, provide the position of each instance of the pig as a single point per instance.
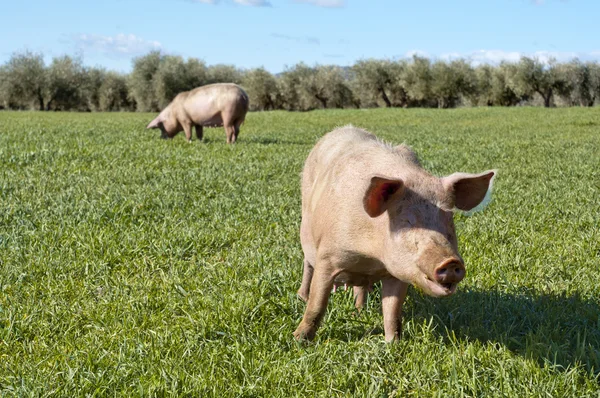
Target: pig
(213, 105)
(371, 213)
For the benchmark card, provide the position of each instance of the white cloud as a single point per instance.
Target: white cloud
(496, 56)
(324, 3)
(307, 39)
(124, 45)
(253, 3)
(493, 56)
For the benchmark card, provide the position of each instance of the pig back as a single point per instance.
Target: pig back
(214, 102)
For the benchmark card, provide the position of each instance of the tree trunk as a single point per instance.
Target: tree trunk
(546, 96)
(388, 103)
(41, 101)
(323, 100)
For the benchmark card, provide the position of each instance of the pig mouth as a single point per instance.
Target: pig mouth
(437, 289)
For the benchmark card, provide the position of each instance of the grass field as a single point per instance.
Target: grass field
(134, 266)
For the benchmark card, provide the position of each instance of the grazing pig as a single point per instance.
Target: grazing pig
(370, 212)
(214, 105)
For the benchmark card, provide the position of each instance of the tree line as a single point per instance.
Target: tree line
(26, 82)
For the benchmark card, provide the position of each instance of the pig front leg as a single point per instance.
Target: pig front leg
(320, 288)
(307, 275)
(393, 293)
(187, 128)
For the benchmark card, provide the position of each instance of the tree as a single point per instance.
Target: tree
(530, 76)
(492, 88)
(66, 78)
(324, 86)
(140, 81)
(262, 89)
(417, 79)
(449, 81)
(380, 79)
(224, 74)
(170, 79)
(196, 74)
(594, 85)
(24, 80)
(93, 79)
(113, 93)
(583, 81)
(288, 84)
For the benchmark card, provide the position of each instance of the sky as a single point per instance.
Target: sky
(277, 33)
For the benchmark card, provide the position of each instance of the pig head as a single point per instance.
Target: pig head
(370, 212)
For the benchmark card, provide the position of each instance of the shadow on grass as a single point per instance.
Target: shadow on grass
(555, 329)
(272, 141)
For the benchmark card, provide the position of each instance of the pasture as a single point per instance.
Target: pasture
(135, 266)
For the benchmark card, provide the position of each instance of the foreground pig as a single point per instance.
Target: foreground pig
(214, 105)
(370, 212)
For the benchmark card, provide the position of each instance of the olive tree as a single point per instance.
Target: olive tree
(139, 82)
(375, 80)
(24, 80)
(113, 93)
(325, 84)
(417, 80)
(169, 80)
(65, 83)
(583, 81)
(450, 81)
(262, 89)
(92, 81)
(222, 73)
(288, 84)
(530, 76)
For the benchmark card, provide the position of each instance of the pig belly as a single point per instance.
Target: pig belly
(215, 121)
(356, 279)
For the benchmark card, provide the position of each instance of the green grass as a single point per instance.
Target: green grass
(134, 266)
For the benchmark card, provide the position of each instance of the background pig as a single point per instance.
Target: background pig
(370, 212)
(213, 105)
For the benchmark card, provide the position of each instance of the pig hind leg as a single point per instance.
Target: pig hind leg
(237, 125)
(307, 275)
(360, 296)
(230, 132)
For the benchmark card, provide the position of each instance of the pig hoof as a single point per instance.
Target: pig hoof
(304, 334)
(302, 296)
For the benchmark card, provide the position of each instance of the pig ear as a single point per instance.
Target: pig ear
(154, 124)
(379, 193)
(468, 190)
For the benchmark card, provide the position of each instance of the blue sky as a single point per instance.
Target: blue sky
(276, 33)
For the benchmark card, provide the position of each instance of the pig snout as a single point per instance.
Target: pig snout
(449, 273)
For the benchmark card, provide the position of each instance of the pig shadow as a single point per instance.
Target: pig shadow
(272, 141)
(559, 330)
(554, 329)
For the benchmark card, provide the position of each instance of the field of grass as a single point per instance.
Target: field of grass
(135, 266)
